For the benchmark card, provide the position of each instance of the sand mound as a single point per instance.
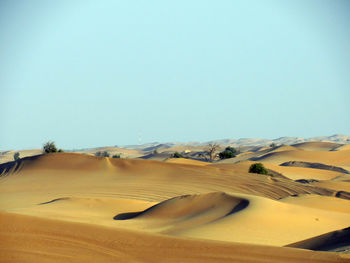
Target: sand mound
(156, 156)
(315, 165)
(333, 158)
(317, 146)
(234, 218)
(293, 173)
(343, 178)
(338, 186)
(185, 148)
(124, 153)
(337, 241)
(97, 211)
(52, 176)
(7, 156)
(201, 209)
(345, 147)
(329, 203)
(10, 168)
(298, 173)
(62, 161)
(283, 148)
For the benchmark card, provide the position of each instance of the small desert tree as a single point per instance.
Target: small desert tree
(50, 147)
(103, 154)
(177, 155)
(258, 168)
(229, 152)
(212, 148)
(16, 156)
(116, 156)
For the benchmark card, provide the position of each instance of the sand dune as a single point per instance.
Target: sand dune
(58, 175)
(320, 152)
(187, 161)
(328, 203)
(334, 185)
(337, 241)
(133, 210)
(317, 146)
(185, 212)
(283, 148)
(294, 173)
(7, 156)
(234, 218)
(315, 166)
(32, 239)
(335, 158)
(125, 153)
(345, 147)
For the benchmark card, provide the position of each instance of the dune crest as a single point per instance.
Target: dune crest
(188, 211)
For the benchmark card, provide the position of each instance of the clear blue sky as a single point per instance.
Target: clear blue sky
(95, 73)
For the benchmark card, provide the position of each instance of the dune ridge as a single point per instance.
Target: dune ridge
(108, 174)
(188, 211)
(338, 241)
(332, 158)
(233, 217)
(315, 165)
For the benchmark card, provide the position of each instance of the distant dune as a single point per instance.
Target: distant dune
(315, 165)
(333, 158)
(317, 146)
(186, 161)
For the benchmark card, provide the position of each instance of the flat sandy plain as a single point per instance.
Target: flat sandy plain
(72, 207)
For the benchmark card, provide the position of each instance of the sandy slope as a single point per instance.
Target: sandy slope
(41, 179)
(327, 203)
(334, 185)
(318, 152)
(124, 153)
(220, 216)
(336, 158)
(293, 173)
(31, 239)
(187, 161)
(7, 156)
(80, 200)
(342, 148)
(317, 146)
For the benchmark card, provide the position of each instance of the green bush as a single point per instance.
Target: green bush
(50, 147)
(116, 156)
(102, 154)
(177, 155)
(16, 156)
(258, 168)
(229, 152)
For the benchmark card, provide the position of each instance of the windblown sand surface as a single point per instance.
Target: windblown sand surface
(69, 207)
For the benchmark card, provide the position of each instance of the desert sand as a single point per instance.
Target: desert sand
(73, 207)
